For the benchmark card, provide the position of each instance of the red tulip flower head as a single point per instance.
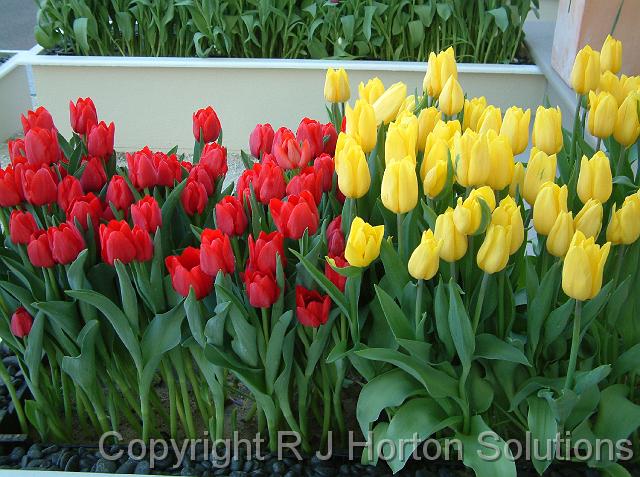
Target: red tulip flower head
(150, 169)
(41, 146)
(21, 323)
(295, 215)
(216, 253)
(289, 153)
(230, 216)
(269, 182)
(262, 288)
(261, 140)
(39, 185)
(119, 242)
(263, 251)
(119, 193)
(311, 131)
(206, 121)
(199, 174)
(307, 180)
(214, 160)
(186, 273)
(100, 140)
(335, 237)
(146, 214)
(324, 165)
(312, 308)
(21, 226)
(330, 137)
(69, 189)
(17, 151)
(94, 176)
(40, 118)
(65, 243)
(82, 208)
(10, 192)
(194, 198)
(338, 280)
(83, 115)
(39, 251)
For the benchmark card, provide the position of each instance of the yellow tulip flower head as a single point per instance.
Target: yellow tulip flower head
(547, 130)
(471, 158)
(425, 259)
(502, 165)
(451, 99)
(595, 180)
(427, 120)
(508, 214)
(629, 84)
(490, 120)
(624, 226)
(583, 267)
(362, 125)
(344, 141)
(447, 130)
(493, 254)
(589, 219)
(363, 243)
(560, 235)
(440, 68)
(515, 127)
(611, 55)
(540, 169)
(517, 182)
(436, 150)
(454, 243)
(407, 107)
(388, 104)
(352, 170)
(585, 74)
(401, 140)
(435, 179)
(399, 190)
(473, 109)
(336, 86)
(603, 112)
(467, 215)
(371, 91)
(610, 83)
(551, 200)
(627, 128)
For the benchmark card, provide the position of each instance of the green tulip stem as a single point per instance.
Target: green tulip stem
(598, 143)
(621, 159)
(400, 248)
(6, 378)
(619, 260)
(575, 345)
(418, 312)
(576, 122)
(481, 294)
(326, 403)
(265, 324)
(501, 327)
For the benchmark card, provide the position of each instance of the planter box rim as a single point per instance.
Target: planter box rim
(11, 63)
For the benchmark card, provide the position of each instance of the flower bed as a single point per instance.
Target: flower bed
(410, 260)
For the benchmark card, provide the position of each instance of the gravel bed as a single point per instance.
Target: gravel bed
(11, 363)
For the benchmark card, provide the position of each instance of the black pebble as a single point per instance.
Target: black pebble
(128, 467)
(17, 454)
(73, 464)
(278, 467)
(142, 468)
(105, 466)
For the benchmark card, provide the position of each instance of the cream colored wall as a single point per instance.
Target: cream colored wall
(14, 100)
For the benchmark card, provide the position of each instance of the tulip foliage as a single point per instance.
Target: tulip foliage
(415, 255)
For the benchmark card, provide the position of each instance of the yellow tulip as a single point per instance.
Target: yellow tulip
(583, 267)
(471, 158)
(447, 129)
(629, 84)
(551, 200)
(540, 169)
(560, 235)
(595, 181)
(467, 215)
(363, 244)
(627, 127)
(371, 91)
(611, 55)
(399, 190)
(490, 120)
(613, 85)
(436, 150)
(589, 219)
(502, 165)
(388, 104)
(425, 259)
(515, 126)
(361, 124)
(603, 110)
(451, 98)
(508, 214)
(517, 182)
(439, 69)
(401, 140)
(473, 109)
(454, 244)
(435, 179)
(336, 86)
(547, 130)
(352, 170)
(427, 120)
(493, 254)
(407, 107)
(585, 74)
(344, 142)
(624, 227)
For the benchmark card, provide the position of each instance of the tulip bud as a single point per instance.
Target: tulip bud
(401, 140)
(361, 125)
(230, 216)
(585, 74)
(446, 130)
(435, 179)
(371, 91)
(21, 323)
(186, 273)
(468, 213)
(436, 150)
(83, 115)
(508, 214)
(611, 55)
(493, 254)
(473, 110)
(65, 243)
(94, 176)
(560, 235)
(399, 190)
(471, 157)
(352, 169)
(595, 181)
(627, 128)
(550, 201)
(21, 226)
(425, 259)
(216, 254)
(325, 167)
(336, 86)
(261, 140)
(440, 68)
(146, 214)
(363, 243)
(490, 120)
(624, 227)
(613, 85)
(453, 243)
(451, 99)
(515, 126)
(39, 251)
(295, 216)
(517, 181)
(119, 242)
(388, 104)
(312, 308)
(100, 140)
(206, 121)
(547, 130)
(502, 165)
(39, 186)
(194, 198)
(335, 237)
(589, 219)
(583, 267)
(330, 136)
(603, 111)
(262, 289)
(41, 146)
(427, 120)
(540, 169)
(40, 118)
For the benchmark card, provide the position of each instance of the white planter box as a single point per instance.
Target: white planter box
(151, 100)
(15, 98)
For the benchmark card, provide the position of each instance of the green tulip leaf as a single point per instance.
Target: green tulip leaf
(491, 347)
(82, 368)
(543, 428)
(195, 318)
(460, 326)
(557, 321)
(394, 268)
(274, 350)
(128, 296)
(398, 321)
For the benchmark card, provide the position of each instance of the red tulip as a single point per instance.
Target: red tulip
(269, 159)
(260, 140)
(119, 194)
(65, 243)
(39, 186)
(39, 251)
(199, 174)
(330, 137)
(94, 177)
(21, 226)
(40, 118)
(297, 214)
(83, 207)
(312, 308)
(263, 251)
(186, 273)
(119, 242)
(69, 189)
(289, 153)
(187, 165)
(194, 198)
(150, 169)
(10, 194)
(214, 160)
(83, 115)
(335, 237)
(17, 151)
(41, 146)
(230, 216)
(311, 131)
(338, 280)
(216, 253)
(146, 214)
(324, 165)
(100, 140)
(343, 125)
(308, 180)
(262, 289)
(269, 182)
(206, 121)
(144, 244)
(21, 323)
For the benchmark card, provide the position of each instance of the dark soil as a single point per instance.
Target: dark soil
(4, 59)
